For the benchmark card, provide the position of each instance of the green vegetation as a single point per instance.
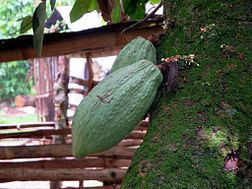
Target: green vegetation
(11, 14)
(13, 75)
(13, 79)
(194, 129)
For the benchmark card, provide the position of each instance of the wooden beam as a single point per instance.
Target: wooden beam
(60, 150)
(130, 142)
(26, 125)
(113, 51)
(136, 135)
(20, 174)
(36, 134)
(80, 81)
(139, 128)
(78, 91)
(50, 132)
(36, 151)
(67, 163)
(142, 125)
(102, 39)
(98, 187)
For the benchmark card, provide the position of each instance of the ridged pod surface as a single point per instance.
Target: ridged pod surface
(138, 49)
(114, 107)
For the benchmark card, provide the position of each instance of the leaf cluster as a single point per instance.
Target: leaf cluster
(13, 79)
(11, 13)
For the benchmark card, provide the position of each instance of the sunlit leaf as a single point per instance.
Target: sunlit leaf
(26, 24)
(81, 7)
(116, 12)
(38, 23)
(135, 9)
(52, 3)
(154, 1)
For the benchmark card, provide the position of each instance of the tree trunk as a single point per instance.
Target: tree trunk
(199, 135)
(61, 103)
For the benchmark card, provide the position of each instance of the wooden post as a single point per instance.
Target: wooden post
(61, 103)
(90, 72)
(61, 98)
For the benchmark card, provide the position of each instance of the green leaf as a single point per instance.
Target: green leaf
(116, 12)
(52, 3)
(38, 23)
(155, 1)
(81, 7)
(135, 9)
(26, 24)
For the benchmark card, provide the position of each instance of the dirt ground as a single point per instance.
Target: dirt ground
(17, 111)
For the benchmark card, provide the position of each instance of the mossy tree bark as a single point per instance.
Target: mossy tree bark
(209, 118)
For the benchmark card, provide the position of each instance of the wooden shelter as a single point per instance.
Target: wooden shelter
(40, 158)
(103, 41)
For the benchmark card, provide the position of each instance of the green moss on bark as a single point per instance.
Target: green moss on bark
(194, 129)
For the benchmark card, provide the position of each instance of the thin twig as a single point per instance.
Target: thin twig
(143, 20)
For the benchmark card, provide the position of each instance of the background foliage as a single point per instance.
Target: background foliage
(11, 12)
(13, 74)
(13, 79)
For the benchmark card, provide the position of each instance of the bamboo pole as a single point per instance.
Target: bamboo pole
(78, 81)
(81, 81)
(35, 151)
(26, 125)
(90, 72)
(67, 163)
(142, 125)
(57, 150)
(98, 187)
(36, 134)
(61, 103)
(139, 128)
(114, 175)
(130, 143)
(138, 134)
(61, 98)
(78, 91)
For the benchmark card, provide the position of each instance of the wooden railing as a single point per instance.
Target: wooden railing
(37, 161)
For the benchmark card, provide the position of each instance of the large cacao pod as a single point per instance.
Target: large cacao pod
(138, 49)
(114, 107)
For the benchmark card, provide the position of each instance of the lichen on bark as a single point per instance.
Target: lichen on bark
(195, 128)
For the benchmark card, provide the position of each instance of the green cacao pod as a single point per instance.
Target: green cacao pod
(114, 107)
(138, 49)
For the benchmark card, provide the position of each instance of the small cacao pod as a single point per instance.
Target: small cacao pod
(138, 49)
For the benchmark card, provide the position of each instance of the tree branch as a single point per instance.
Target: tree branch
(143, 20)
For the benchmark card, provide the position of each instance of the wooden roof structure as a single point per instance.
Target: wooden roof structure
(102, 41)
